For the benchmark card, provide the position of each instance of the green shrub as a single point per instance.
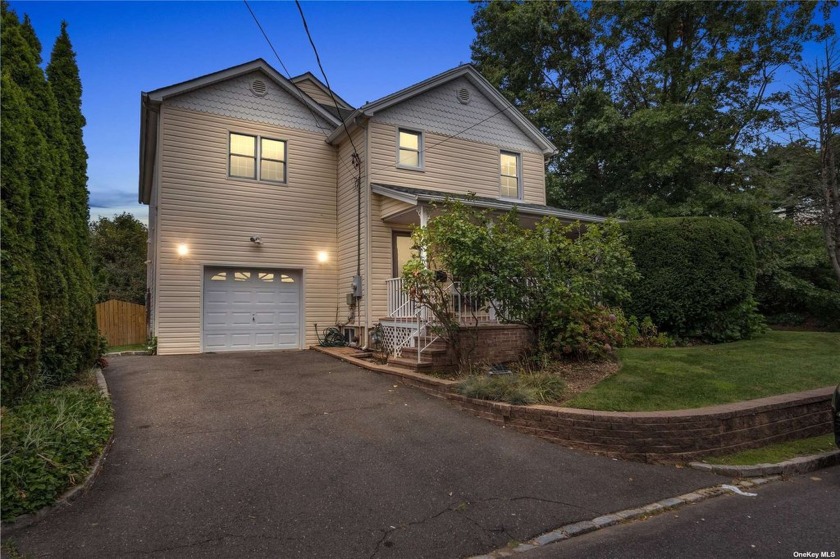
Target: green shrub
(520, 389)
(591, 333)
(645, 334)
(697, 277)
(49, 441)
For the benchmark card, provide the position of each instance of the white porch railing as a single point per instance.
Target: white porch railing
(467, 309)
(411, 324)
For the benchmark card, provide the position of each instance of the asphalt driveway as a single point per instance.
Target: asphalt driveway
(295, 454)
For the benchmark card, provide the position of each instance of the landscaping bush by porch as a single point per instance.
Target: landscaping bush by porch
(697, 277)
(775, 363)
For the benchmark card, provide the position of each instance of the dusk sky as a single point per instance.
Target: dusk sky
(369, 49)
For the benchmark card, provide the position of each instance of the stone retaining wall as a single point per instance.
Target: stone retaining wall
(668, 436)
(664, 436)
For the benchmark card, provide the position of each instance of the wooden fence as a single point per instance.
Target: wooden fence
(121, 323)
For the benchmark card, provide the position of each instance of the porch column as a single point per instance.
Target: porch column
(424, 220)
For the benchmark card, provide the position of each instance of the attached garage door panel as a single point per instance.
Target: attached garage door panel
(251, 308)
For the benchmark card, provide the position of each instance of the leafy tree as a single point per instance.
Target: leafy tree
(118, 250)
(649, 102)
(547, 278)
(817, 115)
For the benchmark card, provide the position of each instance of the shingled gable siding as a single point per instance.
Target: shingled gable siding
(216, 215)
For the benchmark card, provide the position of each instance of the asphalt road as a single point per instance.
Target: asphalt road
(800, 515)
(295, 454)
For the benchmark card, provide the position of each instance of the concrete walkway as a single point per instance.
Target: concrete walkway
(294, 454)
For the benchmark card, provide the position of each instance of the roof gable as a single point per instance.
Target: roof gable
(467, 74)
(308, 78)
(163, 93)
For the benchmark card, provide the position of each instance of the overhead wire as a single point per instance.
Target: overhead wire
(289, 76)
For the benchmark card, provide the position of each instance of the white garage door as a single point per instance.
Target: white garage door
(250, 308)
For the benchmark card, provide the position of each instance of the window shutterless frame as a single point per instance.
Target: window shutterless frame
(256, 158)
(510, 175)
(410, 149)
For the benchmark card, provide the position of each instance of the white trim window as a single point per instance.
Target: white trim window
(409, 149)
(256, 158)
(510, 173)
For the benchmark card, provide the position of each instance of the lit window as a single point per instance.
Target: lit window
(246, 152)
(266, 276)
(510, 175)
(410, 152)
(221, 276)
(241, 276)
(286, 279)
(243, 156)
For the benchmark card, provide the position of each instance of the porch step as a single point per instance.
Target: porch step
(432, 351)
(410, 364)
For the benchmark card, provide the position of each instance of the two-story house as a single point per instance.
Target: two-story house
(263, 224)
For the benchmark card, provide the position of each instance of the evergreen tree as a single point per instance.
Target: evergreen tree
(20, 336)
(59, 256)
(66, 85)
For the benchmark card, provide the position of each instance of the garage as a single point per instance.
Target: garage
(251, 308)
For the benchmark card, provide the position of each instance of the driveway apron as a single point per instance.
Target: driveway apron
(295, 454)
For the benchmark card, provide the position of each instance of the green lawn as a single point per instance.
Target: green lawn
(776, 453)
(691, 377)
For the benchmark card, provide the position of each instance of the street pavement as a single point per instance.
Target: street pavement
(295, 454)
(786, 519)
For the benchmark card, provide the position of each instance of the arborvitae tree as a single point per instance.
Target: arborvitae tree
(59, 259)
(20, 336)
(66, 85)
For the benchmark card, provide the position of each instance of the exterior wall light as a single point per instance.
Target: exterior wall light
(183, 250)
(323, 256)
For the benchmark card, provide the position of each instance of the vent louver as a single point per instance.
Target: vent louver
(463, 95)
(259, 88)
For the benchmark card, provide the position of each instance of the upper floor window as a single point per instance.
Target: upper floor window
(510, 172)
(255, 157)
(410, 149)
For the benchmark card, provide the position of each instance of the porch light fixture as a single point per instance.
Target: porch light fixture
(323, 256)
(183, 250)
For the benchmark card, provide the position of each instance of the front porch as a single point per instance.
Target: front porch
(409, 337)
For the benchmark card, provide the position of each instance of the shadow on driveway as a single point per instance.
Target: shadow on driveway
(295, 454)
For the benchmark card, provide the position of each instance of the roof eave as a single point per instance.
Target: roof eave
(149, 114)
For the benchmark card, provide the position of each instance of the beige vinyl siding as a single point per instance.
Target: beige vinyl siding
(458, 166)
(347, 225)
(318, 94)
(216, 215)
(390, 207)
(381, 267)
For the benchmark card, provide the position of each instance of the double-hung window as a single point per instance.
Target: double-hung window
(510, 175)
(255, 157)
(410, 149)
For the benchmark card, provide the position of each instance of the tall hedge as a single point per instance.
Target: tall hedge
(697, 277)
(47, 289)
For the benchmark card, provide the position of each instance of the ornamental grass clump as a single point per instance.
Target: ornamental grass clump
(520, 389)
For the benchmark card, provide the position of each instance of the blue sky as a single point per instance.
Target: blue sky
(369, 49)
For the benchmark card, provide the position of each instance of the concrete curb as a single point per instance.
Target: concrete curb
(121, 353)
(584, 527)
(74, 492)
(794, 466)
